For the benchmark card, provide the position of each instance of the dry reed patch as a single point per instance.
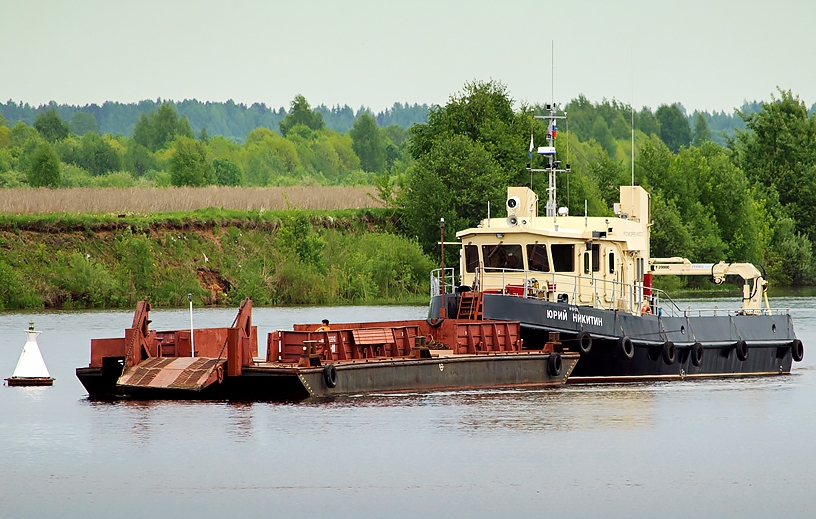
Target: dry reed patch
(159, 200)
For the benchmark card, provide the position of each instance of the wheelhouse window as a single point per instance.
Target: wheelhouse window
(563, 256)
(537, 257)
(471, 258)
(502, 257)
(611, 262)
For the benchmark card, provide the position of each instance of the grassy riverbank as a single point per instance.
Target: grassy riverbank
(220, 256)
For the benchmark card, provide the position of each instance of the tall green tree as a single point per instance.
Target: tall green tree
(778, 149)
(97, 156)
(368, 143)
(482, 113)
(51, 126)
(675, 131)
(453, 180)
(301, 113)
(44, 170)
(188, 165)
(158, 129)
(646, 122)
(701, 132)
(138, 160)
(227, 172)
(84, 122)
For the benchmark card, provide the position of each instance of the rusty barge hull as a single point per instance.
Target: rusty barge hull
(275, 382)
(408, 375)
(303, 363)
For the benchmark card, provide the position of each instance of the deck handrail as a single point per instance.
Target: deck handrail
(589, 291)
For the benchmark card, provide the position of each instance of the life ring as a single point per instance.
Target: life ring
(697, 354)
(626, 348)
(554, 364)
(797, 350)
(669, 353)
(742, 350)
(584, 342)
(330, 375)
(435, 322)
(645, 309)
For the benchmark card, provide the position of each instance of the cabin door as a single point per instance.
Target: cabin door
(590, 285)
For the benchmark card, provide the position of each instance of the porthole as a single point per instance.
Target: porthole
(773, 327)
(682, 330)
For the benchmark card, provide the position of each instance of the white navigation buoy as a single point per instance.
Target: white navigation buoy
(30, 370)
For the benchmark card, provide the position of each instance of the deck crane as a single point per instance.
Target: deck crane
(753, 288)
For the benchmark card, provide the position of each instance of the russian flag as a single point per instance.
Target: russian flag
(552, 129)
(531, 146)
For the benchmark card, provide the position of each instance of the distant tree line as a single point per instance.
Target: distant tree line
(228, 119)
(235, 120)
(164, 150)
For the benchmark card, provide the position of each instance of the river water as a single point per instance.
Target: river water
(718, 448)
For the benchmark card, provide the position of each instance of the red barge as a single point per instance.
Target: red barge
(303, 363)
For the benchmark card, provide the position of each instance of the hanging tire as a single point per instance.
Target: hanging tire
(742, 350)
(584, 342)
(554, 365)
(330, 375)
(669, 353)
(435, 322)
(797, 351)
(626, 348)
(697, 354)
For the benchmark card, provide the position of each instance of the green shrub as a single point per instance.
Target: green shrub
(89, 282)
(14, 293)
(44, 170)
(227, 172)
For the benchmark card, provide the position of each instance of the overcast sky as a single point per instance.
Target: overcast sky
(708, 55)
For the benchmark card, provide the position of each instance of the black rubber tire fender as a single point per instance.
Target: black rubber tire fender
(742, 350)
(554, 365)
(330, 375)
(435, 321)
(626, 347)
(669, 353)
(797, 351)
(697, 354)
(584, 342)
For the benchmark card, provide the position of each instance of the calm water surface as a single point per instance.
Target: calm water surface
(726, 448)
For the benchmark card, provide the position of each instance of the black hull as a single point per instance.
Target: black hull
(767, 339)
(289, 383)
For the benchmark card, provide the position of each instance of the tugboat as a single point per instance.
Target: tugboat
(590, 280)
(313, 362)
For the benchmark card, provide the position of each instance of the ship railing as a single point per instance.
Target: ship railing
(580, 290)
(584, 291)
(438, 280)
(591, 291)
(716, 311)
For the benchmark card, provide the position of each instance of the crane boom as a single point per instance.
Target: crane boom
(753, 289)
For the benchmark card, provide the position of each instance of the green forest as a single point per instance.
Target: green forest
(721, 190)
(228, 119)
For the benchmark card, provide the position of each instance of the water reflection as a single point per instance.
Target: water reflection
(240, 417)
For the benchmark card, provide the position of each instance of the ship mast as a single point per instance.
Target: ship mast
(552, 167)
